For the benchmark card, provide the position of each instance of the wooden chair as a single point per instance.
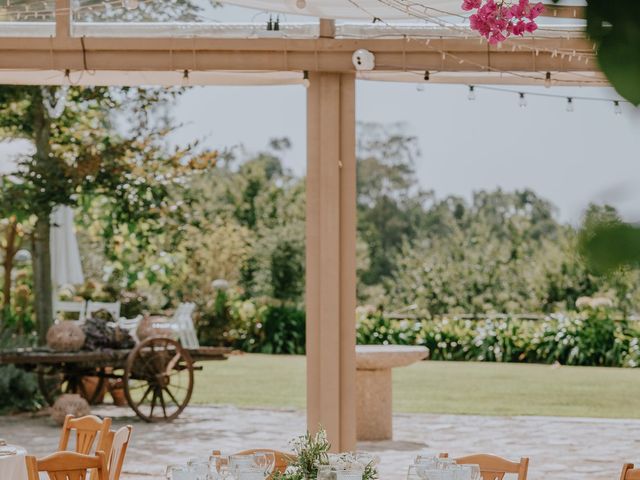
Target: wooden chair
(87, 429)
(282, 459)
(629, 472)
(493, 467)
(67, 466)
(119, 442)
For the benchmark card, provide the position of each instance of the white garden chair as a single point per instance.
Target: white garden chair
(183, 323)
(112, 308)
(70, 307)
(130, 325)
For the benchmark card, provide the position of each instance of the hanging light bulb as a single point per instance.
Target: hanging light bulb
(569, 104)
(130, 4)
(67, 77)
(301, 4)
(305, 79)
(472, 93)
(185, 78)
(522, 101)
(547, 80)
(617, 108)
(426, 75)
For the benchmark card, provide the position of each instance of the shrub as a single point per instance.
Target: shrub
(18, 389)
(267, 328)
(591, 337)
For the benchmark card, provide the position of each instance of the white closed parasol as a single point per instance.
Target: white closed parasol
(66, 267)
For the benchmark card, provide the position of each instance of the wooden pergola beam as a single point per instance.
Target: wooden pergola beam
(322, 54)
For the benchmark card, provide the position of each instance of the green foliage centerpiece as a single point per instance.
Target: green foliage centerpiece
(312, 451)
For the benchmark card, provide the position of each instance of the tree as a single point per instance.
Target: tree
(390, 203)
(78, 155)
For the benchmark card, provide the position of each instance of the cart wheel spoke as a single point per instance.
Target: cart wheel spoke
(162, 404)
(144, 397)
(171, 395)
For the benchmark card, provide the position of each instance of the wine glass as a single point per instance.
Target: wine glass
(266, 461)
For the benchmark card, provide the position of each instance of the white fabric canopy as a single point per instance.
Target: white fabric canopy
(66, 268)
(356, 9)
(366, 9)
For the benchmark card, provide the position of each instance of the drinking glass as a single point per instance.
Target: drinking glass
(472, 472)
(178, 472)
(325, 472)
(417, 472)
(446, 463)
(200, 467)
(244, 472)
(219, 467)
(351, 471)
(241, 461)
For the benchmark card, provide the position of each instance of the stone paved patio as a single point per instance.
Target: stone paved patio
(559, 448)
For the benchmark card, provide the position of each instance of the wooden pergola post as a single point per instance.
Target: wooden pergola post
(331, 257)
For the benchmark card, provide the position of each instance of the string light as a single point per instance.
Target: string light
(522, 101)
(185, 78)
(426, 75)
(67, 77)
(570, 101)
(547, 80)
(305, 79)
(472, 93)
(569, 104)
(617, 108)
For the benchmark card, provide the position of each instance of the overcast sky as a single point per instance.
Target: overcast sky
(589, 155)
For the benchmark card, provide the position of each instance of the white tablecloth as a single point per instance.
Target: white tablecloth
(12, 467)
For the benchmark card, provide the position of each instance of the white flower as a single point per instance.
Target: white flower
(583, 302)
(598, 302)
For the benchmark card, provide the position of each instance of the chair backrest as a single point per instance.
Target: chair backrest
(184, 324)
(119, 443)
(87, 429)
(130, 325)
(282, 459)
(629, 472)
(112, 308)
(71, 307)
(493, 467)
(67, 466)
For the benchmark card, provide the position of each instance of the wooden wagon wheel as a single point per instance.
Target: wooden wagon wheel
(158, 379)
(53, 383)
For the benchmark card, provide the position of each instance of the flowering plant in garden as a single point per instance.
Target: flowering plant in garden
(497, 20)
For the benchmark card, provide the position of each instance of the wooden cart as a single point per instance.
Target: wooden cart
(156, 375)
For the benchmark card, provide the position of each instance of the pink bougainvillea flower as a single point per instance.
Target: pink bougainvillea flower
(497, 21)
(471, 4)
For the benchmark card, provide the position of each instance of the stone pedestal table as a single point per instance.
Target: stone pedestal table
(373, 386)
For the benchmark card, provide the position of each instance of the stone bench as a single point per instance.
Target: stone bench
(373, 386)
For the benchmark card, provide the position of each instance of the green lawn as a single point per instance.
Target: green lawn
(438, 387)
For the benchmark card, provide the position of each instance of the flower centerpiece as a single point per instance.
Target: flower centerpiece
(496, 20)
(312, 453)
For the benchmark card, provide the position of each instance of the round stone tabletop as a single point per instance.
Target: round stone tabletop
(380, 357)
